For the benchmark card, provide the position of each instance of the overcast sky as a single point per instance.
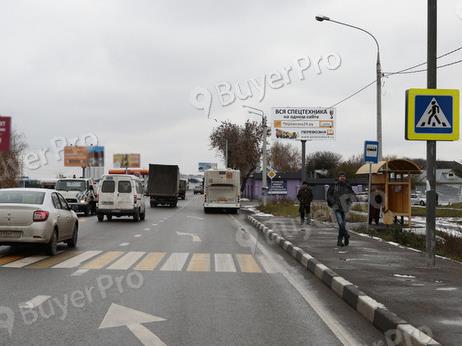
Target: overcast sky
(125, 70)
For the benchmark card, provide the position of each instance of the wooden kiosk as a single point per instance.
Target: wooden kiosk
(392, 178)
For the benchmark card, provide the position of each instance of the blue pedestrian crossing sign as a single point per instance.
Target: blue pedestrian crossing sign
(432, 114)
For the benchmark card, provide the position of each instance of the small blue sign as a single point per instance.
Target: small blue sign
(371, 151)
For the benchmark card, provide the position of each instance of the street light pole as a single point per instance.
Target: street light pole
(264, 181)
(378, 77)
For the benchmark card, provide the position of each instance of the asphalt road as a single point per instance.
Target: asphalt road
(181, 277)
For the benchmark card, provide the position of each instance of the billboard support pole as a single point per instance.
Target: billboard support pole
(303, 160)
(431, 145)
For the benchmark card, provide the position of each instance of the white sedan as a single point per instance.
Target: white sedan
(36, 216)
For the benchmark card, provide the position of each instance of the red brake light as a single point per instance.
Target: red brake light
(40, 215)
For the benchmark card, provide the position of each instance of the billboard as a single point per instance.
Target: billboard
(75, 156)
(5, 133)
(96, 156)
(127, 160)
(203, 166)
(303, 123)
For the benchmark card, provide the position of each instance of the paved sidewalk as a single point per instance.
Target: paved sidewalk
(394, 276)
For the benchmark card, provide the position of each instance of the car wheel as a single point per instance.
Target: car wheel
(136, 216)
(143, 215)
(53, 244)
(100, 217)
(422, 203)
(72, 243)
(109, 217)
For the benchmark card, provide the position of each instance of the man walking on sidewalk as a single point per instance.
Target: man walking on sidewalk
(340, 197)
(305, 196)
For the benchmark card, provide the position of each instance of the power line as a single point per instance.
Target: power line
(423, 63)
(403, 71)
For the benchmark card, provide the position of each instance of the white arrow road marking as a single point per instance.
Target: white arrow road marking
(118, 316)
(34, 302)
(79, 272)
(195, 237)
(196, 217)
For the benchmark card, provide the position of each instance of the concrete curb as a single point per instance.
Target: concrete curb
(395, 328)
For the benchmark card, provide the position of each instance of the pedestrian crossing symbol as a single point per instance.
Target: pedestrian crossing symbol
(433, 117)
(432, 114)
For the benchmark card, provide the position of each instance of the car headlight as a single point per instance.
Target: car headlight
(82, 201)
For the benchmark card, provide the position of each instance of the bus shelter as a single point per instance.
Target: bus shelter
(392, 180)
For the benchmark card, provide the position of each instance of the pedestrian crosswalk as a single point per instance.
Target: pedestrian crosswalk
(84, 261)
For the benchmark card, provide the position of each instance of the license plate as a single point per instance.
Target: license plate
(10, 234)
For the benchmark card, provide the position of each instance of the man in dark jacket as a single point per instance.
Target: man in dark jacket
(340, 197)
(305, 196)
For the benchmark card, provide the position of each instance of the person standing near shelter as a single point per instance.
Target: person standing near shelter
(305, 197)
(340, 197)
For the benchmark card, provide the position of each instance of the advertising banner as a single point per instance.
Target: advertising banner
(5, 133)
(75, 156)
(127, 160)
(303, 123)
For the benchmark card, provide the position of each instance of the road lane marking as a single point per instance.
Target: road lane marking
(137, 235)
(175, 262)
(224, 263)
(150, 261)
(52, 260)
(102, 260)
(126, 261)
(147, 229)
(80, 272)
(124, 244)
(195, 217)
(34, 302)
(24, 262)
(200, 262)
(154, 224)
(8, 259)
(247, 263)
(195, 237)
(77, 260)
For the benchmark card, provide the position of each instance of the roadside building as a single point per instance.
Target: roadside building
(286, 185)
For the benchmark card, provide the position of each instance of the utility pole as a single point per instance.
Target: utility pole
(431, 145)
(264, 178)
(226, 154)
(264, 181)
(303, 160)
(379, 104)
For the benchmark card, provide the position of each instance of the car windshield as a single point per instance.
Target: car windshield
(70, 185)
(22, 197)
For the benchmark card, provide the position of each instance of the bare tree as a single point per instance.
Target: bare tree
(244, 146)
(323, 160)
(285, 158)
(11, 161)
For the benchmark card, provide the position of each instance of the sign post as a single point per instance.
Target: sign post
(371, 155)
(432, 115)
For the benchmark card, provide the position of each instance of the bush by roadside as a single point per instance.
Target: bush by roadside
(448, 211)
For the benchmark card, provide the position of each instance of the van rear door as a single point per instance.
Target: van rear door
(125, 194)
(107, 196)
